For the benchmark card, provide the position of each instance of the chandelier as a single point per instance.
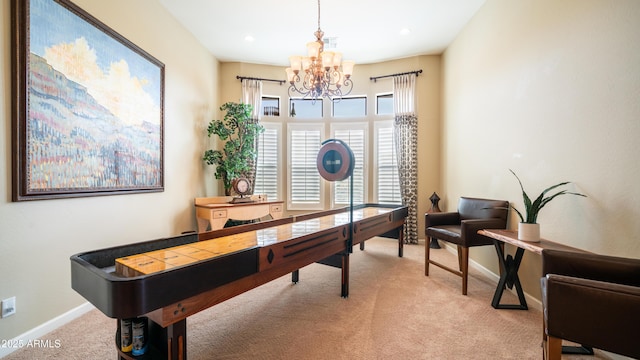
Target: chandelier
(320, 73)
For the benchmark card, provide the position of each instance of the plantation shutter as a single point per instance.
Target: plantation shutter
(268, 165)
(388, 189)
(304, 177)
(355, 139)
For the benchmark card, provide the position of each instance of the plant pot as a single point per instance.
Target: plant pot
(529, 232)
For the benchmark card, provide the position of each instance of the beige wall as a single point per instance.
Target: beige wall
(38, 237)
(550, 89)
(428, 108)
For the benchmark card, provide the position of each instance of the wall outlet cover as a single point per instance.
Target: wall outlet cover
(8, 306)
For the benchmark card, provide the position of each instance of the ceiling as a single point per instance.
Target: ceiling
(366, 31)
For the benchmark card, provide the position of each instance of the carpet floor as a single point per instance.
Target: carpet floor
(393, 312)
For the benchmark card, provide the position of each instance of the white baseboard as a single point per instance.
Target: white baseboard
(531, 301)
(47, 327)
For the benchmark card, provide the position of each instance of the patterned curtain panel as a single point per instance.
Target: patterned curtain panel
(406, 141)
(252, 94)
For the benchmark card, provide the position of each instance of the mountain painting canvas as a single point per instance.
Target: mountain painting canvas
(93, 120)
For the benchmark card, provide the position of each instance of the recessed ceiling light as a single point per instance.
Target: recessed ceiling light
(249, 38)
(405, 31)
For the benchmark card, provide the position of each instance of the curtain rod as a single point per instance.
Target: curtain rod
(375, 78)
(253, 78)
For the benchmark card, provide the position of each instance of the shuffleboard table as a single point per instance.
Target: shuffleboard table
(167, 280)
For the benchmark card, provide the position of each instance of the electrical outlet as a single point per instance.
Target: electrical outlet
(8, 306)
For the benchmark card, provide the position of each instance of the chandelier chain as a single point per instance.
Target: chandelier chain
(318, 15)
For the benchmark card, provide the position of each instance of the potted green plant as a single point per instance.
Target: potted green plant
(528, 228)
(240, 131)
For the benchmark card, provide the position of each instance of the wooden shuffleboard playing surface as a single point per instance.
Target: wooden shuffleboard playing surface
(166, 259)
(168, 280)
(172, 257)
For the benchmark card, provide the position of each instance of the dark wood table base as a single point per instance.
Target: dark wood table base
(509, 266)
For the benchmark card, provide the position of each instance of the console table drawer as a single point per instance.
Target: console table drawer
(219, 214)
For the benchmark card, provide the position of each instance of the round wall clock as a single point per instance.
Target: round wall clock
(241, 186)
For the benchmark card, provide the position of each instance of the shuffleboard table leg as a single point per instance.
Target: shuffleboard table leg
(362, 245)
(295, 276)
(178, 336)
(172, 338)
(345, 275)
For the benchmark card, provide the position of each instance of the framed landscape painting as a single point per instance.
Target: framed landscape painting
(88, 106)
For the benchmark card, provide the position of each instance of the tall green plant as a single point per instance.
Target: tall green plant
(532, 208)
(240, 132)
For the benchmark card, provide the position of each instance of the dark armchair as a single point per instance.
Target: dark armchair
(461, 228)
(590, 299)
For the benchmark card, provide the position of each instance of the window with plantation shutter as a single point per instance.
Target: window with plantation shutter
(267, 173)
(305, 190)
(354, 134)
(387, 185)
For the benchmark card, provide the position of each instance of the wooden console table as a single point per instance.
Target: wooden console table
(214, 211)
(509, 265)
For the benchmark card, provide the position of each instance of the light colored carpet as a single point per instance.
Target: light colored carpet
(393, 312)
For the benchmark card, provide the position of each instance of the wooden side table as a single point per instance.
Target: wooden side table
(509, 265)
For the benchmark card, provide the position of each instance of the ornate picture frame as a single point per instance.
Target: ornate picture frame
(88, 106)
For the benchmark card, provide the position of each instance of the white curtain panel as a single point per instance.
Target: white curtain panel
(406, 141)
(404, 94)
(252, 94)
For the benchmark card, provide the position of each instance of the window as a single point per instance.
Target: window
(306, 108)
(305, 191)
(384, 104)
(268, 166)
(270, 106)
(354, 134)
(386, 169)
(350, 107)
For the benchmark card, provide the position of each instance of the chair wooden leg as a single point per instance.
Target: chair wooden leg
(553, 348)
(426, 257)
(464, 267)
